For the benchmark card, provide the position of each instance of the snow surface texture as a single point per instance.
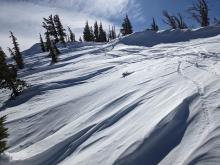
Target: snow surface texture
(122, 103)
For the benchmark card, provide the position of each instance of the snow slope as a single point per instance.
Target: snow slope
(82, 111)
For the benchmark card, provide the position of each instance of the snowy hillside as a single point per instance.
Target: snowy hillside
(82, 111)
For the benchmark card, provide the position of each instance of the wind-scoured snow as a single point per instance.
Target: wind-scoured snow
(146, 99)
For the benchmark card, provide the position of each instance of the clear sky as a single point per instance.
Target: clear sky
(24, 17)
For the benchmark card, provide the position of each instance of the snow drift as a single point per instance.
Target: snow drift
(83, 111)
(150, 38)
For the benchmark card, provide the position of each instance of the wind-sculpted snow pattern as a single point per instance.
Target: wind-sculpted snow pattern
(118, 104)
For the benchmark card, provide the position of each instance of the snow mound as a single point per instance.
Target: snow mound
(118, 104)
(32, 50)
(149, 38)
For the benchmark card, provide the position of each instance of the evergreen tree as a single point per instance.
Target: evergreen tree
(180, 22)
(2, 56)
(42, 44)
(86, 33)
(96, 31)
(3, 135)
(200, 12)
(8, 76)
(92, 37)
(102, 34)
(154, 26)
(60, 30)
(17, 56)
(72, 35)
(47, 44)
(54, 52)
(126, 26)
(50, 28)
(170, 20)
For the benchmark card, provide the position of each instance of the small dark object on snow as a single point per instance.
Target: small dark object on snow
(125, 74)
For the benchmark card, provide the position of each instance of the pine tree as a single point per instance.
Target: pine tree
(60, 30)
(102, 34)
(54, 52)
(3, 135)
(86, 33)
(2, 56)
(154, 26)
(17, 56)
(92, 37)
(43, 49)
(180, 22)
(50, 28)
(8, 77)
(96, 31)
(126, 26)
(47, 44)
(72, 35)
(200, 12)
(170, 20)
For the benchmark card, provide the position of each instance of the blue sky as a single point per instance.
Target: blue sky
(24, 17)
(154, 8)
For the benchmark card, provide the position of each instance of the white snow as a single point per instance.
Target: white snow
(82, 111)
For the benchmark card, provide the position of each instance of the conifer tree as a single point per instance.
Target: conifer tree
(54, 52)
(50, 28)
(180, 22)
(2, 56)
(92, 37)
(170, 20)
(17, 56)
(47, 44)
(43, 49)
(102, 34)
(154, 26)
(126, 26)
(60, 30)
(72, 35)
(3, 135)
(96, 31)
(8, 77)
(86, 33)
(200, 12)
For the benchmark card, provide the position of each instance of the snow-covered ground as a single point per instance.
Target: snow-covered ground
(82, 111)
